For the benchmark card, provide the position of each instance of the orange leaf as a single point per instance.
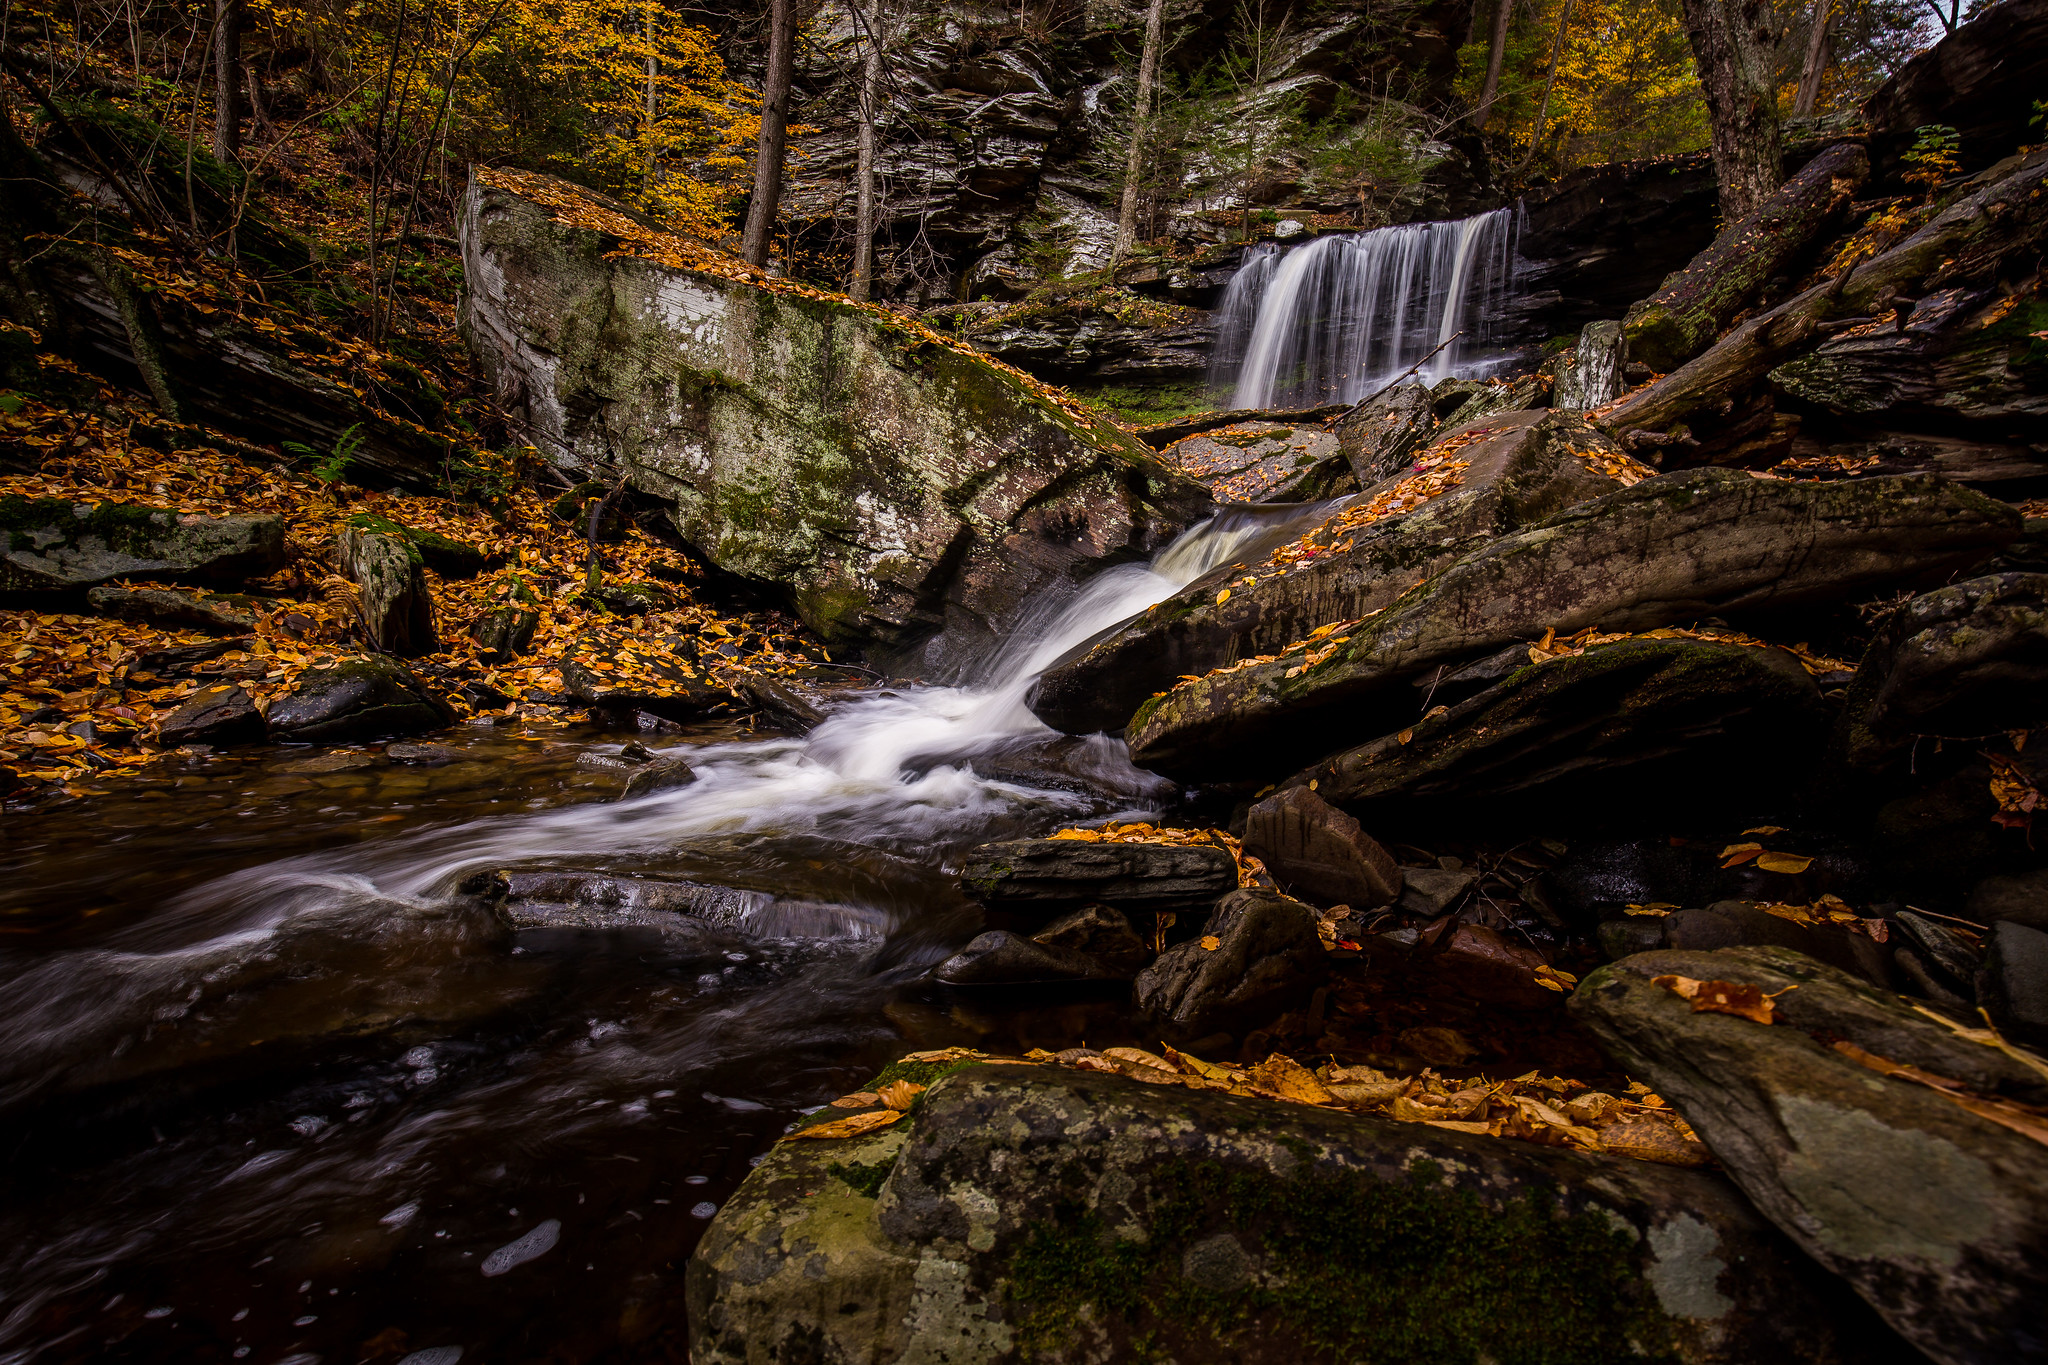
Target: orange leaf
(853, 1125)
(1740, 999)
(1783, 862)
(1210, 943)
(899, 1094)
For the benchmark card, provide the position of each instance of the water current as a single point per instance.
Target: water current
(277, 1085)
(1335, 319)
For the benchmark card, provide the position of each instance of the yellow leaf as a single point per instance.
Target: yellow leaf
(1653, 908)
(899, 1094)
(1783, 862)
(1736, 854)
(1222, 597)
(1766, 830)
(853, 1125)
(1553, 979)
(1210, 943)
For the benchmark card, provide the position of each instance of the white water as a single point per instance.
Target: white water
(1330, 321)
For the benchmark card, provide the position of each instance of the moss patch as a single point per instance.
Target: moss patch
(865, 1178)
(1351, 1268)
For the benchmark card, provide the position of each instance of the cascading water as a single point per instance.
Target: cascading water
(312, 1096)
(1330, 321)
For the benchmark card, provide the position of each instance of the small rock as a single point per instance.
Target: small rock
(1267, 956)
(1001, 958)
(1484, 965)
(354, 700)
(215, 716)
(1103, 933)
(1430, 891)
(658, 775)
(504, 632)
(327, 763)
(2013, 983)
(1044, 873)
(446, 556)
(425, 755)
(390, 578)
(786, 706)
(2022, 899)
(1621, 938)
(1312, 847)
(628, 599)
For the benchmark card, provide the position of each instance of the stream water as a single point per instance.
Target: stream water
(275, 1087)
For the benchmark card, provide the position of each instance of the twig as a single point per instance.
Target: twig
(1401, 376)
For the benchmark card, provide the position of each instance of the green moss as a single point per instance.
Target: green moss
(120, 525)
(865, 1178)
(1355, 1269)
(918, 1073)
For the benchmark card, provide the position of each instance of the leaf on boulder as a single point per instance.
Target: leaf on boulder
(1722, 997)
(853, 1125)
(899, 1094)
(861, 1099)
(1550, 978)
(1210, 943)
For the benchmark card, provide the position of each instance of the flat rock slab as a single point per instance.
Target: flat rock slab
(1040, 1213)
(53, 544)
(1028, 873)
(1937, 1215)
(232, 615)
(1666, 551)
(219, 715)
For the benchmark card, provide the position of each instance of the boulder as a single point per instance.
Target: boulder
(356, 699)
(1965, 660)
(505, 631)
(1382, 436)
(1589, 375)
(219, 716)
(1934, 1212)
(552, 898)
(1581, 728)
(54, 544)
(891, 480)
(2013, 982)
(1043, 1213)
(1103, 933)
(230, 615)
(620, 673)
(1742, 924)
(2023, 899)
(445, 555)
(1430, 891)
(1670, 549)
(1258, 954)
(1505, 473)
(659, 774)
(1256, 461)
(627, 599)
(1041, 874)
(786, 705)
(1981, 80)
(391, 580)
(1001, 958)
(1315, 849)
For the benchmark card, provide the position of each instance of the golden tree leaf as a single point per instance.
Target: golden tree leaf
(1783, 862)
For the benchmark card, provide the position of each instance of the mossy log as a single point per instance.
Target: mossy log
(1684, 316)
(2001, 215)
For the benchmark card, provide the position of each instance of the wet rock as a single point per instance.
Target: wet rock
(1253, 461)
(217, 716)
(2013, 983)
(1936, 957)
(1381, 438)
(1573, 729)
(445, 555)
(354, 700)
(167, 607)
(2023, 899)
(1621, 938)
(1414, 1243)
(390, 577)
(1668, 549)
(1025, 874)
(1590, 374)
(1523, 467)
(1968, 659)
(1935, 1215)
(1315, 849)
(541, 899)
(1485, 965)
(1267, 957)
(505, 631)
(422, 755)
(787, 705)
(1103, 933)
(53, 544)
(1001, 958)
(614, 672)
(891, 486)
(658, 775)
(1430, 891)
(327, 763)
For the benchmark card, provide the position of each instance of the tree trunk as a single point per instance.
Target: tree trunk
(1733, 44)
(2007, 217)
(227, 79)
(1496, 55)
(1819, 47)
(1685, 315)
(768, 153)
(1564, 23)
(864, 162)
(1141, 123)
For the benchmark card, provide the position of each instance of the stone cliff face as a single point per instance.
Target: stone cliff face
(890, 483)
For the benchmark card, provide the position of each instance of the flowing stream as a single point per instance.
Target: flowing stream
(1331, 321)
(279, 1086)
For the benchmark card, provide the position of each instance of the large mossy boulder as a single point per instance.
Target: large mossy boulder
(892, 482)
(1484, 479)
(1666, 551)
(54, 544)
(1910, 1188)
(1040, 1213)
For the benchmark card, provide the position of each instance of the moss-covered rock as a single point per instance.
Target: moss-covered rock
(356, 699)
(397, 605)
(891, 484)
(52, 544)
(1047, 1214)
(445, 555)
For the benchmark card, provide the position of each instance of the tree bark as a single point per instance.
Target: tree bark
(774, 140)
(1819, 47)
(1685, 315)
(864, 161)
(1564, 23)
(227, 79)
(1141, 126)
(2006, 217)
(1733, 45)
(1496, 56)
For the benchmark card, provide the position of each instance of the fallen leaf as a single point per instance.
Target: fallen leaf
(1284, 1078)
(1210, 943)
(1766, 830)
(1552, 979)
(899, 1094)
(1740, 999)
(1736, 854)
(1653, 908)
(1222, 597)
(853, 1125)
(1783, 862)
(862, 1099)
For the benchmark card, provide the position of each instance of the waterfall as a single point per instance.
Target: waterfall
(1330, 321)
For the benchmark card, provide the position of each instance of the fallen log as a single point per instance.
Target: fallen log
(1692, 307)
(2002, 213)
